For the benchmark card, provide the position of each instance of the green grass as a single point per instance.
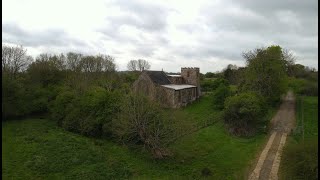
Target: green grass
(300, 155)
(307, 116)
(38, 149)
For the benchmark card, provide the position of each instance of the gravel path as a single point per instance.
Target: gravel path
(282, 123)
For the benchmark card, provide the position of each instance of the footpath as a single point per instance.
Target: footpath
(281, 125)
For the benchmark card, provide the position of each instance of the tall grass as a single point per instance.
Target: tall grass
(38, 149)
(300, 155)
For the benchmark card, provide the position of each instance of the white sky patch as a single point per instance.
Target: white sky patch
(170, 34)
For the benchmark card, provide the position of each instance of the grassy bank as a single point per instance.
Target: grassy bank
(300, 155)
(37, 148)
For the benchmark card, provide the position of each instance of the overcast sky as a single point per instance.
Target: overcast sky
(209, 34)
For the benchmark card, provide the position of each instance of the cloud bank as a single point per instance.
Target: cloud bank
(172, 34)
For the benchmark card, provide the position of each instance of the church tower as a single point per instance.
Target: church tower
(191, 75)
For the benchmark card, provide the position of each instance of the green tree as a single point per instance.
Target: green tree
(46, 70)
(266, 73)
(219, 96)
(14, 60)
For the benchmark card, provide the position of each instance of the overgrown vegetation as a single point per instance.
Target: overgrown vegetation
(37, 148)
(260, 86)
(142, 122)
(266, 73)
(244, 112)
(220, 95)
(86, 94)
(83, 94)
(300, 155)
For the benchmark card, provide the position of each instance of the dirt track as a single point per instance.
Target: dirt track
(281, 124)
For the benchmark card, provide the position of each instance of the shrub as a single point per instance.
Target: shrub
(220, 81)
(243, 113)
(310, 89)
(59, 108)
(71, 122)
(211, 85)
(303, 86)
(90, 114)
(296, 83)
(299, 161)
(14, 103)
(101, 107)
(142, 122)
(38, 99)
(206, 85)
(219, 96)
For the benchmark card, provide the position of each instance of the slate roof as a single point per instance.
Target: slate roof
(158, 77)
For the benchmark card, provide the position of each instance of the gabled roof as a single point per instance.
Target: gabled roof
(158, 77)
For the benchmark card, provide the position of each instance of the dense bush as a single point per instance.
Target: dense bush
(310, 89)
(219, 96)
(141, 121)
(13, 98)
(86, 113)
(296, 84)
(299, 161)
(303, 86)
(61, 106)
(243, 113)
(208, 85)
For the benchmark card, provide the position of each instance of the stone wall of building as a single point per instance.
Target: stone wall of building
(176, 98)
(166, 96)
(176, 80)
(184, 96)
(145, 86)
(192, 76)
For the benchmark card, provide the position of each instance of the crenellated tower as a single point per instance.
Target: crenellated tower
(191, 75)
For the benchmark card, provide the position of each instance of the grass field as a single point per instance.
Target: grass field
(307, 116)
(300, 155)
(38, 149)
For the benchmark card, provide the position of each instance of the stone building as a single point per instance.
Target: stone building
(170, 90)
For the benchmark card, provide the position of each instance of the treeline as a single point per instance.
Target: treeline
(84, 94)
(269, 73)
(29, 85)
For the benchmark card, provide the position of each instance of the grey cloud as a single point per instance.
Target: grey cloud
(52, 37)
(309, 7)
(223, 30)
(205, 52)
(304, 12)
(148, 19)
(242, 25)
(144, 16)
